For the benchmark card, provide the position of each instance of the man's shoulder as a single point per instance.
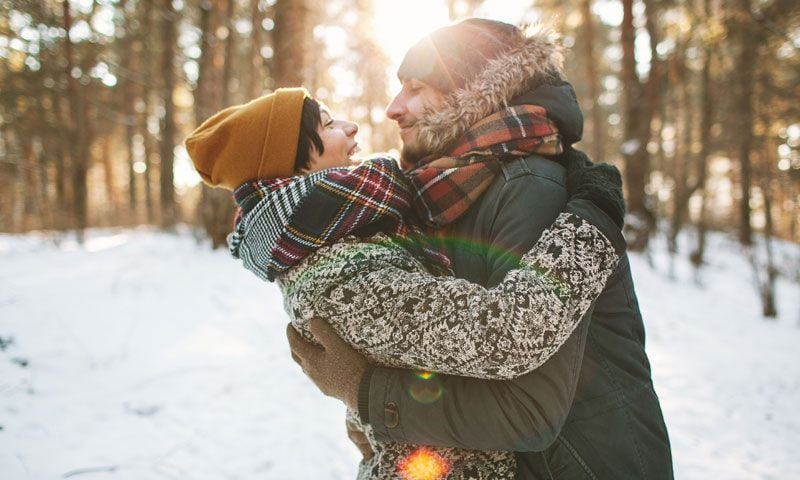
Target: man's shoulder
(524, 180)
(522, 201)
(533, 168)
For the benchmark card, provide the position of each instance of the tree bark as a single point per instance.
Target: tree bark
(682, 191)
(148, 93)
(697, 257)
(640, 102)
(746, 73)
(292, 33)
(168, 212)
(768, 306)
(587, 39)
(78, 123)
(216, 209)
(131, 49)
(230, 44)
(254, 80)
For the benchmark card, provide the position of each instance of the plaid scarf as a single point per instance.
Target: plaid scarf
(447, 186)
(281, 222)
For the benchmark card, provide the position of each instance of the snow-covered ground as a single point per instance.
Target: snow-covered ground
(145, 355)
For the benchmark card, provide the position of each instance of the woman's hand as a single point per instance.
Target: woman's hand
(334, 366)
(359, 439)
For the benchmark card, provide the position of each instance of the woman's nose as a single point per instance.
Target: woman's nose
(350, 128)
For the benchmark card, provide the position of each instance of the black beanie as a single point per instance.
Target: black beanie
(452, 55)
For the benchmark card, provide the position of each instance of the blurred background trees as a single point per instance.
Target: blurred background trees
(696, 101)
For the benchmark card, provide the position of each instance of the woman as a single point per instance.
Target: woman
(341, 242)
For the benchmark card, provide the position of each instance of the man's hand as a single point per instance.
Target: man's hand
(334, 366)
(360, 440)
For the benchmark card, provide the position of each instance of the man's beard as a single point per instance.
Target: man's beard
(411, 154)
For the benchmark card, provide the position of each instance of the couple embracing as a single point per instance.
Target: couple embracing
(472, 305)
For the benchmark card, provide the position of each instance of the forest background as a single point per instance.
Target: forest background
(696, 101)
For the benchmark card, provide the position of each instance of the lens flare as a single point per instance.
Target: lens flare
(426, 388)
(454, 243)
(423, 464)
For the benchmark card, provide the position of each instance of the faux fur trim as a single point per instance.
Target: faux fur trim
(534, 58)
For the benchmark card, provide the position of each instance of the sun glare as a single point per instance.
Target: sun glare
(399, 25)
(423, 464)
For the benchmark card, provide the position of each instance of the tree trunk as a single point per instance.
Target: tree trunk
(149, 150)
(293, 32)
(16, 159)
(78, 123)
(686, 184)
(587, 38)
(682, 191)
(746, 73)
(254, 80)
(794, 215)
(697, 256)
(143, 120)
(168, 213)
(60, 138)
(131, 50)
(46, 142)
(230, 44)
(108, 176)
(216, 209)
(640, 102)
(768, 306)
(204, 64)
(130, 133)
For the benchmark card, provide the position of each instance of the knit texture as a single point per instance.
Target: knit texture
(384, 302)
(244, 142)
(289, 219)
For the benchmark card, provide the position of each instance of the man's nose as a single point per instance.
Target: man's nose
(396, 109)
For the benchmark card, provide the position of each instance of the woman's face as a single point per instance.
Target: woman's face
(338, 138)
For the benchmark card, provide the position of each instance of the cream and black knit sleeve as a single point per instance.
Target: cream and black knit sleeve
(404, 317)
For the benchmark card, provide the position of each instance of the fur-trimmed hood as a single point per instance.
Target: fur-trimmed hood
(533, 65)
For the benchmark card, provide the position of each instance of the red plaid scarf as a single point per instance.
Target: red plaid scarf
(447, 186)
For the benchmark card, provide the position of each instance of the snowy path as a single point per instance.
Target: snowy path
(147, 356)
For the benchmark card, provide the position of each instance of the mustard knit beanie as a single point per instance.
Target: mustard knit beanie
(254, 140)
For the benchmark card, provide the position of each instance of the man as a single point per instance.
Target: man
(591, 410)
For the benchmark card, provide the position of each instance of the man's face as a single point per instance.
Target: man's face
(406, 108)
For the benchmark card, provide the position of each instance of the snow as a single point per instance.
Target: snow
(145, 355)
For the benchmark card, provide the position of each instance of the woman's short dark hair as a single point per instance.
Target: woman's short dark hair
(310, 121)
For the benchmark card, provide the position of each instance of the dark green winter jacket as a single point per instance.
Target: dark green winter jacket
(590, 412)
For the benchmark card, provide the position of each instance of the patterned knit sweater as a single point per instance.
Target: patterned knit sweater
(383, 301)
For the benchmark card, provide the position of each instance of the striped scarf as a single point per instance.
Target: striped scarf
(446, 187)
(281, 222)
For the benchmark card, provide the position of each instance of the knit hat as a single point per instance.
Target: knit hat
(254, 140)
(448, 57)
